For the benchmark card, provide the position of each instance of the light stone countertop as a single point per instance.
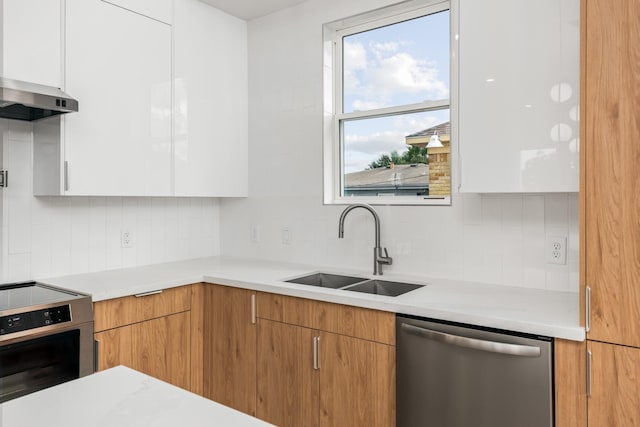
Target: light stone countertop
(534, 311)
(119, 397)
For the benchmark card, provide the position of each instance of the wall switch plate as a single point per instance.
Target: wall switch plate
(126, 238)
(556, 249)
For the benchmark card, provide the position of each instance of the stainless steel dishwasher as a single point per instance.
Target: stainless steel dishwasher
(453, 375)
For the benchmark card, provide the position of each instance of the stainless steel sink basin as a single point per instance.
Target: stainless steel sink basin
(355, 284)
(326, 280)
(383, 287)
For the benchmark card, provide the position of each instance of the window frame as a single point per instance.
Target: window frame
(334, 117)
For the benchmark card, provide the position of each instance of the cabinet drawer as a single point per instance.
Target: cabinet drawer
(132, 309)
(357, 322)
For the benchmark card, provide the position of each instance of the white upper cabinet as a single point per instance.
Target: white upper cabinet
(118, 65)
(210, 102)
(160, 10)
(31, 41)
(519, 95)
(162, 90)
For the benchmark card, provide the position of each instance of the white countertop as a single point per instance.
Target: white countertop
(119, 397)
(534, 311)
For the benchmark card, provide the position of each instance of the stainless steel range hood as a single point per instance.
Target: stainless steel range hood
(30, 101)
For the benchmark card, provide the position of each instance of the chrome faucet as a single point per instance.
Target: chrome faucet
(378, 258)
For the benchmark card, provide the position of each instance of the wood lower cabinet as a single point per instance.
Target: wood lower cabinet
(229, 347)
(570, 383)
(114, 347)
(615, 386)
(288, 385)
(319, 364)
(357, 382)
(156, 340)
(160, 348)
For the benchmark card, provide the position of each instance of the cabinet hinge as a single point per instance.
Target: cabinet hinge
(4, 178)
(587, 309)
(588, 373)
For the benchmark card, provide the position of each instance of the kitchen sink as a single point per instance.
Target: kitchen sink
(355, 284)
(383, 287)
(326, 280)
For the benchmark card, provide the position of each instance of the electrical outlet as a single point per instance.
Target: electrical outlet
(286, 236)
(556, 248)
(126, 238)
(254, 233)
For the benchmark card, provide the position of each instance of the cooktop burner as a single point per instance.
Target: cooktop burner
(18, 295)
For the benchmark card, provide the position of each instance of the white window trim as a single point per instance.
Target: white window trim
(332, 92)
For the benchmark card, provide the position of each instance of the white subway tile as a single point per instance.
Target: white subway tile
(19, 268)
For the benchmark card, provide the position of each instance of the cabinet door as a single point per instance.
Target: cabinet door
(118, 65)
(31, 41)
(156, 9)
(518, 95)
(161, 348)
(114, 348)
(615, 386)
(287, 381)
(211, 104)
(611, 172)
(230, 347)
(357, 382)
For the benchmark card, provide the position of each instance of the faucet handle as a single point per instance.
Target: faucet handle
(387, 258)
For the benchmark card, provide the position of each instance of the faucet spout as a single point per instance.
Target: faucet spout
(378, 258)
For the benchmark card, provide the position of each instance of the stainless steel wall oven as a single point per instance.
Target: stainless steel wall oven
(46, 337)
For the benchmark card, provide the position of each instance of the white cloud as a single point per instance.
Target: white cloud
(355, 59)
(381, 72)
(403, 73)
(379, 49)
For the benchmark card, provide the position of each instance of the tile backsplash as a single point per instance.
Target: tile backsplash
(482, 238)
(49, 236)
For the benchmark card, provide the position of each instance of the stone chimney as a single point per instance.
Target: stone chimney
(440, 168)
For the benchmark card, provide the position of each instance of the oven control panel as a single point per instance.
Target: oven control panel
(34, 319)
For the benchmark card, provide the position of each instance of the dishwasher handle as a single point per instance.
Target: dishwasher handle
(473, 343)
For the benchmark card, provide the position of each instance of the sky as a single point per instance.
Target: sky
(399, 64)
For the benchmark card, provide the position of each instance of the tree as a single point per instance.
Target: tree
(411, 156)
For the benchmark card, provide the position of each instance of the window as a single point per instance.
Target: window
(387, 134)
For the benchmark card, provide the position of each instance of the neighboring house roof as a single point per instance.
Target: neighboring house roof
(404, 176)
(442, 129)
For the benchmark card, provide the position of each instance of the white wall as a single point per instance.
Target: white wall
(50, 236)
(496, 239)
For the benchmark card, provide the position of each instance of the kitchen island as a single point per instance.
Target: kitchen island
(119, 397)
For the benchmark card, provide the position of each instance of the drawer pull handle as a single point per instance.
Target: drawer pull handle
(146, 294)
(253, 309)
(316, 353)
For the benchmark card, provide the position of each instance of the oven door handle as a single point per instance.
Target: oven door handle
(473, 343)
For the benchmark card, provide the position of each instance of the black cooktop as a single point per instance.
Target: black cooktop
(27, 294)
